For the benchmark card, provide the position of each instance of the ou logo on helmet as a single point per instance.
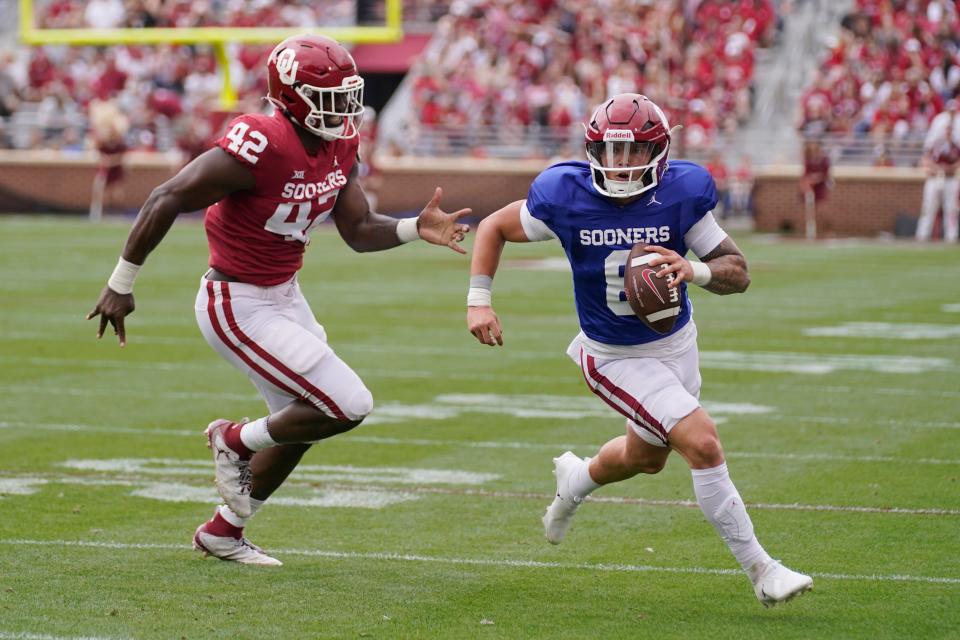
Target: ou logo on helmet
(287, 66)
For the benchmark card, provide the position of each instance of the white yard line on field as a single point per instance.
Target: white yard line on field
(375, 492)
(42, 388)
(478, 444)
(887, 331)
(772, 361)
(484, 562)
(25, 635)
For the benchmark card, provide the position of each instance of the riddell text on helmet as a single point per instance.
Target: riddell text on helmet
(631, 236)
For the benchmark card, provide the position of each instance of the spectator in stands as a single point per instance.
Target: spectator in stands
(105, 14)
(814, 187)
(109, 128)
(941, 160)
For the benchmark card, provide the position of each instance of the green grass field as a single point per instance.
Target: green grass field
(835, 380)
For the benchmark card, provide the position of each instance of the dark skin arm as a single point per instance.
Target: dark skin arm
(365, 230)
(726, 261)
(208, 179)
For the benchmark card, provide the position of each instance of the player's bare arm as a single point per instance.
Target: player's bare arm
(494, 231)
(208, 179)
(365, 230)
(727, 264)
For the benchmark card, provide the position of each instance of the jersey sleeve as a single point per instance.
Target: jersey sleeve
(704, 236)
(707, 200)
(536, 214)
(247, 138)
(535, 229)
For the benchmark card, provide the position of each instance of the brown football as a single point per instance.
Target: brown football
(650, 297)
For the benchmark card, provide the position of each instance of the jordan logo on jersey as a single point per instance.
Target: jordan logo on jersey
(653, 199)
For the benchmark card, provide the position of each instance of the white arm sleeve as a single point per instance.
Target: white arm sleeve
(535, 229)
(703, 237)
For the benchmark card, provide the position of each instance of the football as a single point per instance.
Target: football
(651, 298)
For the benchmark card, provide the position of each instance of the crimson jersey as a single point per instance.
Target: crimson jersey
(259, 236)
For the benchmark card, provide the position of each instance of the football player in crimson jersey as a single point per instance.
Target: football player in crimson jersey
(627, 194)
(267, 183)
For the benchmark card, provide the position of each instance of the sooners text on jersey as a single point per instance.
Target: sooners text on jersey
(259, 236)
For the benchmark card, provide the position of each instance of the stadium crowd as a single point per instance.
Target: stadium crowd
(138, 14)
(516, 64)
(509, 65)
(892, 69)
(169, 93)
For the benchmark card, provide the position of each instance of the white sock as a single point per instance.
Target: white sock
(255, 435)
(723, 507)
(579, 483)
(239, 521)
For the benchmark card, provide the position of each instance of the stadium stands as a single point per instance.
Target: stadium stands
(888, 74)
(514, 79)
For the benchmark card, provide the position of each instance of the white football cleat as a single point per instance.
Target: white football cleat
(778, 584)
(559, 516)
(233, 475)
(232, 549)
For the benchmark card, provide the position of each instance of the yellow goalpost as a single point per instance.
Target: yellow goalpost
(217, 37)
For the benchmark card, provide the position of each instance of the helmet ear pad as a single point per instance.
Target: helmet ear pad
(627, 118)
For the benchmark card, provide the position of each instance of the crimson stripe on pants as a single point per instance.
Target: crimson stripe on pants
(307, 388)
(640, 415)
(215, 323)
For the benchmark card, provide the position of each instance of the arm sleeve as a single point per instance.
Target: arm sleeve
(536, 230)
(704, 236)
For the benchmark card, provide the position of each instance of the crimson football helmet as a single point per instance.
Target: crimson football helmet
(314, 80)
(628, 140)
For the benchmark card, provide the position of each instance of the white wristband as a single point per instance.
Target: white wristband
(477, 297)
(407, 230)
(701, 273)
(480, 294)
(121, 280)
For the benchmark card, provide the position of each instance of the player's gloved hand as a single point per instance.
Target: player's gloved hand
(113, 307)
(438, 227)
(676, 264)
(484, 324)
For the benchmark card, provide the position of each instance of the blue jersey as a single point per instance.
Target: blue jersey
(597, 235)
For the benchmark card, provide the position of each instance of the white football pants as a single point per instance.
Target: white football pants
(940, 190)
(653, 393)
(271, 335)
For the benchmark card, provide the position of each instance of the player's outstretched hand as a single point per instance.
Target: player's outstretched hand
(113, 307)
(485, 325)
(438, 227)
(676, 264)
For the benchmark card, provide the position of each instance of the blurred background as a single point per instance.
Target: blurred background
(478, 96)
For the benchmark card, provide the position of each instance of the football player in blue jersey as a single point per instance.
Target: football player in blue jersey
(625, 194)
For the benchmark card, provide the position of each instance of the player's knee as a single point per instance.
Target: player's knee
(358, 405)
(706, 447)
(702, 445)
